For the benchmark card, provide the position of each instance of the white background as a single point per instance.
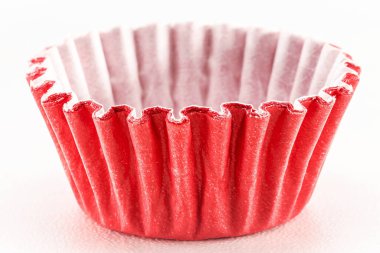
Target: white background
(38, 212)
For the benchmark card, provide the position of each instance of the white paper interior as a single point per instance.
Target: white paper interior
(181, 65)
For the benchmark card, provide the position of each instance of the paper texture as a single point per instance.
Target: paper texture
(144, 148)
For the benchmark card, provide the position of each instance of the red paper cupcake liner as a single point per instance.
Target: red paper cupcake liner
(207, 174)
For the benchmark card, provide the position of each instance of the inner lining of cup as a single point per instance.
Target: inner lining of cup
(182, 65)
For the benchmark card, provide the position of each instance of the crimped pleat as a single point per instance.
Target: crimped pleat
(75, 186)
(280, 135)
(69, 149)
(286, 60)
(247, 138)
(59, 69)
(94, 67)
(225, 65)
(189, 71)
(115, 139)
(153, 61)
(149, 140)
(86, 139)
(325, 63)
(120, 55)
(318, 111)
(211, 139)
(322, 147)
(184, 193)
(259, 53)
(73, 68)
(311, 51)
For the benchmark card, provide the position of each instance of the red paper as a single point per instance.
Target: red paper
(207, 175)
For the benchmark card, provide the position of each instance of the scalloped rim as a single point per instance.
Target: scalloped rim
(41, 76)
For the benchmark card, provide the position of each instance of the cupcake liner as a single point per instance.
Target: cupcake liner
(191, 172)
